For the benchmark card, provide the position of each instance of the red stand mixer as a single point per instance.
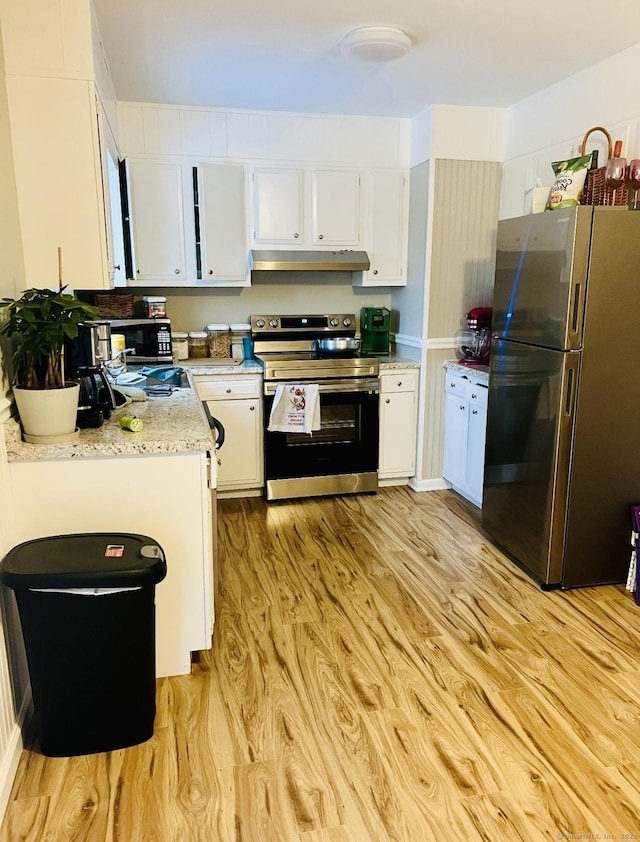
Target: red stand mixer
(474, 343)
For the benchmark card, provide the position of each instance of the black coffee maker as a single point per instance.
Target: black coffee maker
(85, 359)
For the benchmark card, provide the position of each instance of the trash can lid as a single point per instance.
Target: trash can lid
(94, 560)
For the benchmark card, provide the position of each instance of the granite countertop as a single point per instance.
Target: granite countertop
(392, 361)
(481, 372)
(208, 365)
(173, 423)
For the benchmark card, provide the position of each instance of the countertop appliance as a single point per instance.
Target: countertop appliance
(562, 465)
(147, 340)
(473, 345)
(85, 359)
(341, 457)
(375, 326)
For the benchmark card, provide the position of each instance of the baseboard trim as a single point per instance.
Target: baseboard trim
(438, 484)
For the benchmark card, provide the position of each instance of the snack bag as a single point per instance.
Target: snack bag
(569, 183)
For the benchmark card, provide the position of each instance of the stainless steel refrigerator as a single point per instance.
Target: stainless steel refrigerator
(562, 463)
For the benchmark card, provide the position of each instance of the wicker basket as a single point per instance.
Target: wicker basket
(112, 306)
(595, 190)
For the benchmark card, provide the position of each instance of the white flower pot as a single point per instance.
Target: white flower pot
(48, 412)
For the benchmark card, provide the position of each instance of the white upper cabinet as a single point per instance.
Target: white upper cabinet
(54, 124)
(278, 206)
(285, 199)
(386, 237)
(336, 208)
(156, 203)
(222, 224)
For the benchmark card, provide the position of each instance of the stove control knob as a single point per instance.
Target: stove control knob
(273, 323)
(260, 323)
(346, 322)
(334, 322)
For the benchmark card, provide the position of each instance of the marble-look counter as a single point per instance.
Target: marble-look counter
(480, 372)
(173, 423)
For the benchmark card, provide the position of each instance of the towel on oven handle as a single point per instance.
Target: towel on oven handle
(295, 409)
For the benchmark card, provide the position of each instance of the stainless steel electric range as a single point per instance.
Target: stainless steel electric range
(342, 456)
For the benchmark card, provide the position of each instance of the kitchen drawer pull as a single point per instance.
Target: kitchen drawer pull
(228, 391)
(177, 271)
(388, 400)
(252, 408)
(399, 382)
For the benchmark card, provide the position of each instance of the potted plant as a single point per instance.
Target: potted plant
(41, 321)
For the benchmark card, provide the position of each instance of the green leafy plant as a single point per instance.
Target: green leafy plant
(41, 320)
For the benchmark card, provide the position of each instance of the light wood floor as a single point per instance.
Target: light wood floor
(379, 672)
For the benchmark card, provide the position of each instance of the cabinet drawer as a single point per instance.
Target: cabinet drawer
(477, 394)
(399, 382)
(456, 384)
(242, 388)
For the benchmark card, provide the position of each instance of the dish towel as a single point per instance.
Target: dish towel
(296, 409)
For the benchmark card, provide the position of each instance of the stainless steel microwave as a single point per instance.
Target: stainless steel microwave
(148, 339)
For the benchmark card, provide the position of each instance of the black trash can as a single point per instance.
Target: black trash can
(87, 611)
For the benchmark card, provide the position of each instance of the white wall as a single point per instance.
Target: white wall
(549, 126)
(12, 697)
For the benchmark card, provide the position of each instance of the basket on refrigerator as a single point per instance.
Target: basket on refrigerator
(595, 190)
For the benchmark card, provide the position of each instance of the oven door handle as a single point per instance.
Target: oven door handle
(370, 386)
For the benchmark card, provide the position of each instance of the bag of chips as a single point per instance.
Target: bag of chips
(569, 183)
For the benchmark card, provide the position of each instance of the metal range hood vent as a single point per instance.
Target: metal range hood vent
(309, 261)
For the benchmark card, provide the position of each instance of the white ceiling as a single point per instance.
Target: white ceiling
(285, 55)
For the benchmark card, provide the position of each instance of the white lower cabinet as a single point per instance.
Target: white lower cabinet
(164, 496)
(237, 404)
(465, 422)
(398, 423)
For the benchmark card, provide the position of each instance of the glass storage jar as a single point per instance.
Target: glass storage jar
(219, 340)
(198, 344)
(238, 333)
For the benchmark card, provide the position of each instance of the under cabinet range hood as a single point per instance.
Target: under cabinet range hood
(308, 261)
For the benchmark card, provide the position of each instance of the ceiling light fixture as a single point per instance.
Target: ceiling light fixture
(376, 43)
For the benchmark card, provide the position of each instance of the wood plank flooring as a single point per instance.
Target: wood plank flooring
(379, 672)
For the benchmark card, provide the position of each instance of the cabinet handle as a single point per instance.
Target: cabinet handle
(474, 411)
(321, 236)
(117, 267)
(252, 408)
(228, 391)
(462, 407)
(399, 382)
(388, 400)
(295, 236)
(210, 272)
(375, 271)
(474, 396)
(177, 271)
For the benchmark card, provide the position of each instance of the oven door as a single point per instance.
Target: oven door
(340, 457)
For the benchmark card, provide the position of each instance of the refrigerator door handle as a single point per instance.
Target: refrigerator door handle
(570, 392)
(577, 312)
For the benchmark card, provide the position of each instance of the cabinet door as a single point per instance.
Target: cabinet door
(278, 209)
(222, 223)
(387, 235)
(456, 428)
(397, 434)
(58, 181)
(240, 460)
(336, 208)
(476, 441)
(157, 212)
